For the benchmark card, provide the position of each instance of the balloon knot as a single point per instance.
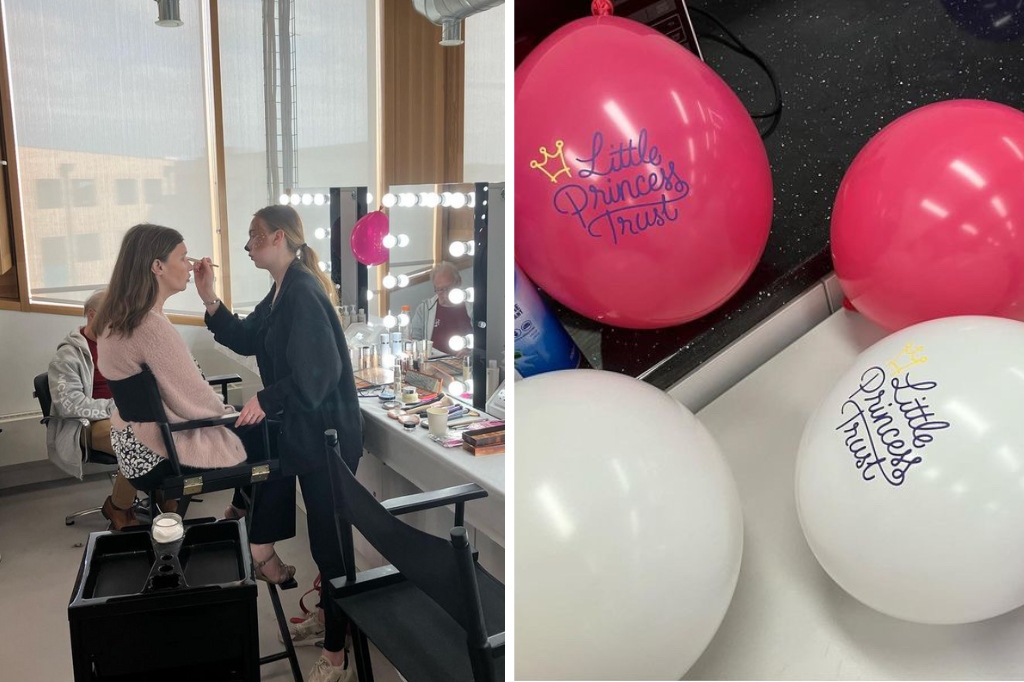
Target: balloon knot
(602, 8)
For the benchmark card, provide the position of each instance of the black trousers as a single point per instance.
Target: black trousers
(273, 519)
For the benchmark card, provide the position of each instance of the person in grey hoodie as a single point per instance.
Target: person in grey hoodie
(80, 413)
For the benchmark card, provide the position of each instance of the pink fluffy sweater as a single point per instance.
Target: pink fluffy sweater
(185, 393)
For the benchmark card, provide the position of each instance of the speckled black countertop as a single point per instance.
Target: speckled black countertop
(846, 69)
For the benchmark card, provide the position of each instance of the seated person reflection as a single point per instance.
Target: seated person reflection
(438, 318)
(80, 415)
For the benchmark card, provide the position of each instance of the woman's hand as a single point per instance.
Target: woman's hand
(251, 413)
(203, 272)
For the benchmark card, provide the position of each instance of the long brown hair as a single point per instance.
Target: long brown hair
(278, 217)
(132, 291)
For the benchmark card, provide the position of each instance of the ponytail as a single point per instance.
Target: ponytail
(310, 261)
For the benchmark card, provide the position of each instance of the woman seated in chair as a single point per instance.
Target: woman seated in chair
(133, 331)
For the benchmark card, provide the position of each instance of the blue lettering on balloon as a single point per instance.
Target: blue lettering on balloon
(887, 421)
(631, 190)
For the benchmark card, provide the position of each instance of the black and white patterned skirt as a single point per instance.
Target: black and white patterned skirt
(133, 458)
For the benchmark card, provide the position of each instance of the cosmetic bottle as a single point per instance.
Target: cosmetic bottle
(541, 343)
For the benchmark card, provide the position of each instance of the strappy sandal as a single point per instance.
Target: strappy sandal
(288, 571)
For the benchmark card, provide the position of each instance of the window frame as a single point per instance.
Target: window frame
(11, 184)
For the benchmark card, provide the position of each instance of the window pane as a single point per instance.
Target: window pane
(484, 142)
(106, 103)
(331, 117)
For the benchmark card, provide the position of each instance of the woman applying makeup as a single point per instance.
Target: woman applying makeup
(297, 339)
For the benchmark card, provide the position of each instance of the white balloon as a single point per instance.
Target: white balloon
(910, 475)
(629, 531)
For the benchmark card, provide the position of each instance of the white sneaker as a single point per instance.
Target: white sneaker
(306, 633)
(323, 671)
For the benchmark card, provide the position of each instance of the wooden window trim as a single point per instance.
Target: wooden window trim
(12, 186)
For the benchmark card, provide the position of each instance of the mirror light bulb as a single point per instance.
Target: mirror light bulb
(284, 199)
(323, 266)
(389, 200)
(433, 200)
(456, 388)
(307, 199)
(457, 343)
(403, 240)
(406, 199)
(403, 320)
(458, 200)
(389, 320)
(369, 294)
(457, 249)
(469, 341)
(470, 294)
(318, 199)
(403, 281)
(456, 295)
(320, 233)
(446, 198)
(295, 199)
(389, 281)
(470, 248)
(469, 385)
(472, 200)
(389, 241)
(369, 198)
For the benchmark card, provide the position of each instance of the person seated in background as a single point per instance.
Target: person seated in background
(80, 413)
(437, 318)
(133, 331)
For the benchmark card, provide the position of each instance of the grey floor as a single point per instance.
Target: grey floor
(39, 560)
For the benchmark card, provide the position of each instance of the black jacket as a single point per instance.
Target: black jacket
(305, 367)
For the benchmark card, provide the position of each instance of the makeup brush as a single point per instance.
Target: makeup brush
(196, 260)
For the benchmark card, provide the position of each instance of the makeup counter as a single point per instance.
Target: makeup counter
(399, 461)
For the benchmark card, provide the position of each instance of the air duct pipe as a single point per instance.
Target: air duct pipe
(448, 14)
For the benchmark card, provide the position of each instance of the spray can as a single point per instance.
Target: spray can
(541, 343)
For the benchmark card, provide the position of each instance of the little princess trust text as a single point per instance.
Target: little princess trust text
(888, 421)
(630, 188)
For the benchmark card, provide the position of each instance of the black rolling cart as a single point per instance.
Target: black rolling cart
(186, 610)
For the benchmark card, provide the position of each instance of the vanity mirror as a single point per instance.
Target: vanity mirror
(459, 227)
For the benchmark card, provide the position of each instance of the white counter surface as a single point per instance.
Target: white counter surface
(429, 466)
(788, 620)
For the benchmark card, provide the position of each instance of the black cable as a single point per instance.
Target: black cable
(738, 46)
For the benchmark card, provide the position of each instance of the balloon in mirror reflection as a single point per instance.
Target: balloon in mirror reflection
(368, 238)
(910, 474)
(927, 222)
(627, 521)
(644, 196)
(998, 20)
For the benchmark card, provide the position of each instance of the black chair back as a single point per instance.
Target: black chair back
(138, 397)
(41, 384)
(441, 569)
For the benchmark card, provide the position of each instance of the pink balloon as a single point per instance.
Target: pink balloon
(643, 192)
(368, 238)
(925, 222)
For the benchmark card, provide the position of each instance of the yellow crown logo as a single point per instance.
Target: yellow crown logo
(910, 356)
(543, 163)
